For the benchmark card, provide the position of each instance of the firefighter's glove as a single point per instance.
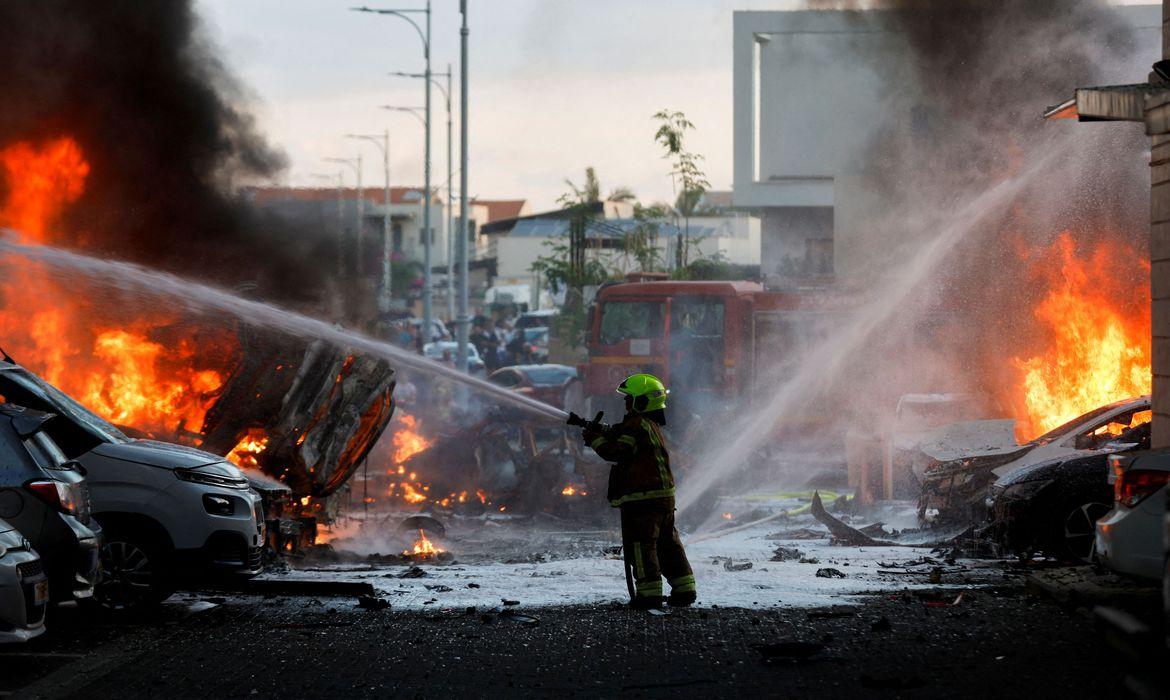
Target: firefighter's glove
(588, 436)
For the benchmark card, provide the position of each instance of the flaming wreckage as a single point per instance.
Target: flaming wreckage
(300, 418)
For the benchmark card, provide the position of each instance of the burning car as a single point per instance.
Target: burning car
(1052, 507)
(162, 507)
(955, 486)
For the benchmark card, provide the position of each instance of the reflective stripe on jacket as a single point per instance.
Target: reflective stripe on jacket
(641, 469)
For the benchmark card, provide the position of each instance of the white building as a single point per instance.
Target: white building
(807, 98)
(516, 244)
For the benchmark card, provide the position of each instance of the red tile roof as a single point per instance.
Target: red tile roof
(501, 208)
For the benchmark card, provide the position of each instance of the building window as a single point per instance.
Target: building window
(396, 237)
(818, 256)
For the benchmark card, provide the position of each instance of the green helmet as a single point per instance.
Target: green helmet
(648, 392)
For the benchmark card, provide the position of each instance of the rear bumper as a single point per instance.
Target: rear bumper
(1129, 541)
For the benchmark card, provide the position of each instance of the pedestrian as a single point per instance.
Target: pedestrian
(642, 486)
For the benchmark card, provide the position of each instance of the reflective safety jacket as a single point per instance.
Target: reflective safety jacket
(641, 469)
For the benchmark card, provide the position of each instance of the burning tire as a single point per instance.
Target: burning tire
(134, 572)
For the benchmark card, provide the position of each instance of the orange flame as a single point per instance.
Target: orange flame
(1099, 337)
(407, 441)
(423, 548)
(41, 182)
(246, 453)
(134, 373)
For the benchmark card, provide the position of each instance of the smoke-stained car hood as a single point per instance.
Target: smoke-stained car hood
(972, 438)
(157, 454)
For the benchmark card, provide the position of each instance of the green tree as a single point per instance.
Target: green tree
(686, 173)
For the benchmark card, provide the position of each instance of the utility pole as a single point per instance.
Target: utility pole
(386, 295)
(462, 247)
(450, 214)
(450, 206)
(426, 41)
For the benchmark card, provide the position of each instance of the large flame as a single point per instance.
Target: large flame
(136, 367)
(1098, 346)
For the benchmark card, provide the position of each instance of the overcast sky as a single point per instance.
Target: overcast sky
(556, 85)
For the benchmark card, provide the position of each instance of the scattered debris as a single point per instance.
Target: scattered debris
(473, 585)
(298, 587)
(439, 588)
(829, 573)
(786, 554)
(519, 617)
(505, 601)
(730, 565)
(369, 602)
(413, 572)
(882, 624)
(658, 612)
(842, 533)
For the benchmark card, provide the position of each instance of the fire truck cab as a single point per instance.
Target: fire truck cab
(715, 344)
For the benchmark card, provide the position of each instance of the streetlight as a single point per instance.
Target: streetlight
(461, 353)
(385, 298)
(426, 42)
(450, 192)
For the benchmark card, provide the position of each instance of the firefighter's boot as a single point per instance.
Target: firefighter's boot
(682, 591)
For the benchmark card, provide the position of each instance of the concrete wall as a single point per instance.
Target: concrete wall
(1158, 127)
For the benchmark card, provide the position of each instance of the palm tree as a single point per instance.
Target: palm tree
(590, 191)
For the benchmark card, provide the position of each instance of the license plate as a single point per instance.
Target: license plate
(41, 592)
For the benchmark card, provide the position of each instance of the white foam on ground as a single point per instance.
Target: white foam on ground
(592, 580)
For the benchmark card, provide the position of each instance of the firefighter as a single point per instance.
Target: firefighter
(642, 486)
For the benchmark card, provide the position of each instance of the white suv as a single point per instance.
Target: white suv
(166, 510)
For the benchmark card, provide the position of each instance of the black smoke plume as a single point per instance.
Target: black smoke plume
(160, 121)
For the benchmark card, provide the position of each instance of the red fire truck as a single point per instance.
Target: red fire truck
(716, 345)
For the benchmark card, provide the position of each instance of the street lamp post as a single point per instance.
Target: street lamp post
(461, 353)
(356, 164)
(426, 41)
(387, 293)
(450, 192)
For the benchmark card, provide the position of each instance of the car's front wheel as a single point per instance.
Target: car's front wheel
(134, 573)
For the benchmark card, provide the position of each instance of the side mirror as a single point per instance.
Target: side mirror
(1084, 442)
(75, 466)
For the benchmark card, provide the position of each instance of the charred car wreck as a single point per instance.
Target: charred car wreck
(955, 487)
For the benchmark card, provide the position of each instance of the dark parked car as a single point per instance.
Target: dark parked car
(547, 383)
(45, 497)
(1052, 506)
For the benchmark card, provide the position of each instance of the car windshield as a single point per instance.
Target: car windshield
(17, 382)
(534, 333)
(542, 376)
(625, 320)
(1064, 428)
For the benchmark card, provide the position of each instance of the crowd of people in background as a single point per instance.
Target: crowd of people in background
(498, 342)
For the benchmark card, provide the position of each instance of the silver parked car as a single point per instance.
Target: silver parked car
(24, 588)
(1129, 537)
(166, 510)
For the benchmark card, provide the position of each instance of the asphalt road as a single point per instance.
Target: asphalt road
(993, 643)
